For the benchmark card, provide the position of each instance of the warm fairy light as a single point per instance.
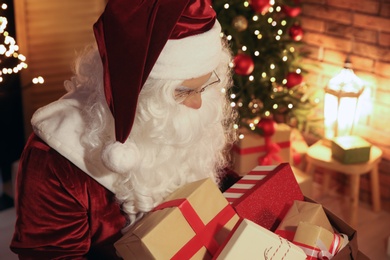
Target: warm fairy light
(270, 20)
(38, 80)
(278, 8)
(256, 32)
(271, 10)
(277, 37)
(272, 66)
(251, 78)
(226, 6)
(231, 65)
(259, 36)
(292, 49)
(264, 74)
(255, 18)
(272, 79)
(280, 31)
(246, 3)
(267, 113)
(233, 104)
(274, 23)
(283, 22)
(275, 106)
(229, 37)
(240, 104)
(272, 2)
(9, 49)
(256, 53)
(241, 136)
(290, 106)
(298, 71)
(284, 81)
(233, 96)
(285, 58)
(244, 48)
(235, 126)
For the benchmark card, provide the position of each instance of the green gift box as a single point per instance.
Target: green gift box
(350, 149)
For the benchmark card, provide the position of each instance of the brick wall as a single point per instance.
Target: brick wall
(334, 28)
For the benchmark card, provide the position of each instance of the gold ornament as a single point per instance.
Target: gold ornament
(240, 23)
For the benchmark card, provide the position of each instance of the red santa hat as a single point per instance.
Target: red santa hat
(162, 39)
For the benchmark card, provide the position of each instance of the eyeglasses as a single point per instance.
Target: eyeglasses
(183, 92)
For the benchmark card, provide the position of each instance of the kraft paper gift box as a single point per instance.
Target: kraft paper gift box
(351, 250)
(350, 149)
(191, 223)
(250, 241)
(318, 242)
(302, 211)
(247, 152)
(265, 194)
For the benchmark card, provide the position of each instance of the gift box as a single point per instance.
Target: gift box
(302, 211)
(351, 250)
(253, 149)
(251, 241)
(350, 149)
(318, 242)
(265, 194)
(191, 223)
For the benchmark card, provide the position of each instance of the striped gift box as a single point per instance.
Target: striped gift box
(247, 182)
(265, 194)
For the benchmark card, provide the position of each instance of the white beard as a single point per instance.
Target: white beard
(176, 145)
(169, 144)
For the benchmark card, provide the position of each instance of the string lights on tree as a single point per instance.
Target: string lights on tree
(11, 61)
(265, 37)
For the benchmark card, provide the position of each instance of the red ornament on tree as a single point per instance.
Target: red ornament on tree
(293, 79)
(296, 32)
(291, 11)
(268, 126)
(260, 6)
(243, 64)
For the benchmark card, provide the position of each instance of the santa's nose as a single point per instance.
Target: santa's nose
(194, 101)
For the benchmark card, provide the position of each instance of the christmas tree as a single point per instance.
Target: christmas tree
(265, 37)
(10, 60)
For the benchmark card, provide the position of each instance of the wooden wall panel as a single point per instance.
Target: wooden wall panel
(49, 34)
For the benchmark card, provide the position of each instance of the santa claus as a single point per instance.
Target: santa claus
(145, 113)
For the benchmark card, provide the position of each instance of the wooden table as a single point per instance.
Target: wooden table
(320, 155)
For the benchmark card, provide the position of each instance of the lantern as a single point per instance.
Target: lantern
(341, 102)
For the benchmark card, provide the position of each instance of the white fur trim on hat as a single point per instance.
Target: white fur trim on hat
(119, 157)
(189, 57)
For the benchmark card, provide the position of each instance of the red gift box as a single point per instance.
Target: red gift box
(265, 194)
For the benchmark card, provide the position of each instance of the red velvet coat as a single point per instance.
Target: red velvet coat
(62, 213)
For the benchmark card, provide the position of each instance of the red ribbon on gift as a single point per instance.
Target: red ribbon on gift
(204, 234)
(272, 150)
(321, 252)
